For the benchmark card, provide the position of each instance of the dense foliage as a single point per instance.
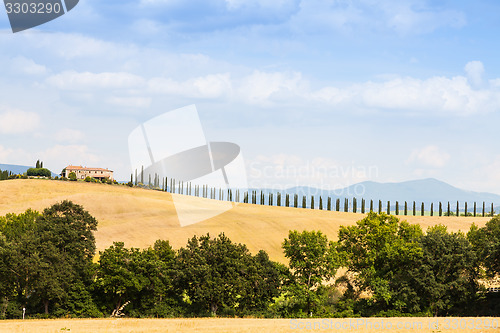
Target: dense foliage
(38, 172)
(389, 268)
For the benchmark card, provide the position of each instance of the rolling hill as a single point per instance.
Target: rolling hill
(138, 217)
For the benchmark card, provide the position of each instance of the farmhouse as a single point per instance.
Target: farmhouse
(82, 173)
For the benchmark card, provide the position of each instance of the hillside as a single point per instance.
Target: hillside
(138, 217)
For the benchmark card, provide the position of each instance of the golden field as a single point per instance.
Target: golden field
(138, 217)
(223, 325)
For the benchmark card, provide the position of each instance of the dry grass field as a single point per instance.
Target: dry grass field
(222, 325)
(138, 217)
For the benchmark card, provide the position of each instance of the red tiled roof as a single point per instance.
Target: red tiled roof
(74, 167)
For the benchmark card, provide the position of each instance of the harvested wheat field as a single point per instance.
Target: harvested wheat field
(138, 217)
(220, 325)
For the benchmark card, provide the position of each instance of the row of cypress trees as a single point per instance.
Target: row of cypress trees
(293, 200)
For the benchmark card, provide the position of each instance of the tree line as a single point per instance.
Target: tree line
(313, 202)
(390, 268)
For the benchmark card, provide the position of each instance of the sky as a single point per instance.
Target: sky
(323, 93)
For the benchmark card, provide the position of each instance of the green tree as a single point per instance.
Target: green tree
(312, 259)
(446, 275)
(119, 277)
(486, 243)
(379, 251)
(39, 172)
(214, 272)
(72, 176)
(66, 245)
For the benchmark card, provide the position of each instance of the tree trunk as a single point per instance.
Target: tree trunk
(213, 309)
(46, 306)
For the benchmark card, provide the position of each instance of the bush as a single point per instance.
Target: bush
(89, 179)
(39, 172)
(72, 176)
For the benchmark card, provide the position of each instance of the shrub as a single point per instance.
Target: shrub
(72, 176)
(38, 172)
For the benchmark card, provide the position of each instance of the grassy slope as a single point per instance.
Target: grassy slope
(138, 217)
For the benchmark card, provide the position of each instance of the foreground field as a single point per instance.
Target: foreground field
(370, 325)
(138, 217)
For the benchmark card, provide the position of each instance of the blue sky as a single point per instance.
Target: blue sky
(316, 92)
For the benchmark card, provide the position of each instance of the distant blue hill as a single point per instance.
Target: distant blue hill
(18, 169)
(424, 190)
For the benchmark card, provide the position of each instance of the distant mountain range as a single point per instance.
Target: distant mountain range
(19, 169)
(424, 190)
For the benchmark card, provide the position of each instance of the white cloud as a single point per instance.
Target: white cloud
(475, 72)
(130, 101)
(262, 88)
(28, 66)
(14, 156)
(69, 135)
(429, 156)
(434, 95)
(210, 86)
(405, 17)
(60, 156)
(289, 170)
(17, 121)
(72, 80)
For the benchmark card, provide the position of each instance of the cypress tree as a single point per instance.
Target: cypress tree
(422, 210)
(312, 201)
(371, 205)
(414, 208)
(458, 209)
(492, 210)
(278, 200)
(270, 201)
(287, 200)
(362, 205)
(466, 208)
(337, 205)
(131, 178)
(135, 177)
(449, 210)
(142, 174)
(296, 200)
(346, 205)
(484, 208)
(304, 201)
(380, 206)
(406, 208)
(388, 208)
(474, 209)
(432, 208)
(440, 209)
(329, 204)
(320, 203)
(397, 207)
(354, 205)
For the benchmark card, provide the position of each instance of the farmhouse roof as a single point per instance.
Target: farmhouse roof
(76, 167)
